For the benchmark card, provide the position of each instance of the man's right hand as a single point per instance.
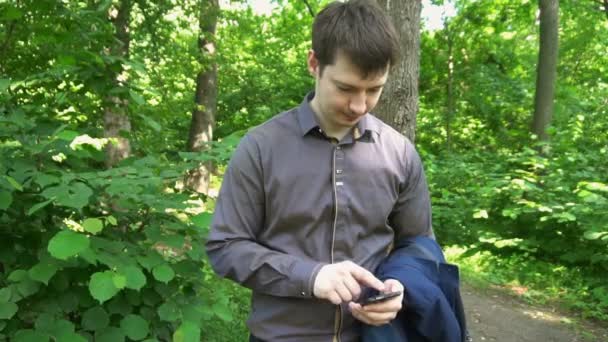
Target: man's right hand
(341, 282)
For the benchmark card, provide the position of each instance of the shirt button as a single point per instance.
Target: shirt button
(338, 171)
(338, 148)
(303, 293)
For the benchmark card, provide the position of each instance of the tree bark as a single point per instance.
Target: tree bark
(546, 68)
(205, 99)
(449, 115)
(398, 106)
(116, 119)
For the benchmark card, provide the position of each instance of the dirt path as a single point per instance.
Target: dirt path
(494, 315)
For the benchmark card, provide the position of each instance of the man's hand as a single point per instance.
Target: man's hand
(380, 313)
(341, 282)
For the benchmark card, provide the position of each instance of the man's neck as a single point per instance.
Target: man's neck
(330, 130)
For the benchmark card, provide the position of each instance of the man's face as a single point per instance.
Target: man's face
(342, 95)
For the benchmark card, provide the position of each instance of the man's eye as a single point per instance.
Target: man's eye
(344, 89)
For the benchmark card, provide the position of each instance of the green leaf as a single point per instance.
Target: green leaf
(17, 275)
(163, 273)
(5, 294)
(137, 98)
(202, 220)
(151, 260)
(95, 319)
(28, 287)
(45, 322)
(112, 220)
(120, 281)
(136, 279)
(151, 123)
(74, 195)
(110, 334)
(8, 310)
(135, 327)
(187, 332)
(67, 135)
(13, 182)
(29, 335)
(102, 287)
(222, 310)
(4, 84)
(61, 327)
(92, 225)
(6, 198)
(71, 337)
(593, 235)
(67, 243)
(169, 312)
(39, 206)
(11, 13)
(43, 272)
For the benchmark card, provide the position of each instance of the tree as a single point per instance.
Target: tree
(546, 67)
(399, 104)
(116, 119)
(203, 115)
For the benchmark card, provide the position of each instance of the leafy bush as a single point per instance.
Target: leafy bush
(106, 254)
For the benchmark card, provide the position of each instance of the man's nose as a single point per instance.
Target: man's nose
(358, 104)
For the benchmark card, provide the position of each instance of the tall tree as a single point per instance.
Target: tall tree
(116, 119)
(546, 68)
(203, 115)
(399, 104)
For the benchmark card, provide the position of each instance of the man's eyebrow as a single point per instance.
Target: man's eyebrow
(346, 85)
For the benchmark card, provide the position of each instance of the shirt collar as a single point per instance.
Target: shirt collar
(308, 120)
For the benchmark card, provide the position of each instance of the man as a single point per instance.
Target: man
(313, 199)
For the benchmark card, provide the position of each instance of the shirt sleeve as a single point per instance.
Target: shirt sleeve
(232, 245)
(411, 214)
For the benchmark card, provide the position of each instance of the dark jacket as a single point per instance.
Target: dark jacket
(433, 309)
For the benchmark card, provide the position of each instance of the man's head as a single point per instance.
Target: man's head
(354, 45)
(360, 30)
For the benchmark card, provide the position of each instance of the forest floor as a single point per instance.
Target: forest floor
(497, 314)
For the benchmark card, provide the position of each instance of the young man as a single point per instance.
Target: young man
(313, 199)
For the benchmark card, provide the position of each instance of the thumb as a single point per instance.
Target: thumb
(392, 285)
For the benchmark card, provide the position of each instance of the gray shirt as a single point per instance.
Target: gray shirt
(293, 200)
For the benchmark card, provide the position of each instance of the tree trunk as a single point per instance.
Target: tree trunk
(116, 119)
(399, 103)
(449, 115)
(203, 115)
(546, 68)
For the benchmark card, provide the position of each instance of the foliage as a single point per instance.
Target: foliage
(87, 252)
(104, 253)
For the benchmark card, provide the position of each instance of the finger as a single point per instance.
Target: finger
(365, 277)
(377, 318)
(343, 292)
(353, 287)
(391, 305)
(392, 285)
(334, 297)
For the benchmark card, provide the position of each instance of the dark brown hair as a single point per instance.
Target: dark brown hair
(358, 28)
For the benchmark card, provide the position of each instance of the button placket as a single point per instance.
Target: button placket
(341, 197)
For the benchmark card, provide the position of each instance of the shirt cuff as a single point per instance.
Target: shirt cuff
(304, 275)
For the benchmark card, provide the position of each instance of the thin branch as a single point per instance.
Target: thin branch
(312, 13)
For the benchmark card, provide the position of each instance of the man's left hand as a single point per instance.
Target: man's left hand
(380, 313)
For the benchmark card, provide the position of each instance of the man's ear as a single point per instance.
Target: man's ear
(313, 64)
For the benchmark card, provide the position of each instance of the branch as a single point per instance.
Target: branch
(312, 13)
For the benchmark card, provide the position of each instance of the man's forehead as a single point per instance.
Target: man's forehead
(344, 71)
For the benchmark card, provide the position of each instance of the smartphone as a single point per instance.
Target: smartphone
(379, 298)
